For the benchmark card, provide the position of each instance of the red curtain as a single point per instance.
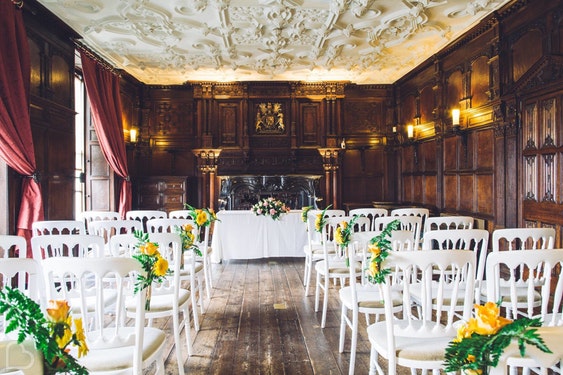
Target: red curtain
(16, 141)
(102, 87)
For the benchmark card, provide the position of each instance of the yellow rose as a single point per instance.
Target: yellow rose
(374, 249)
(149, 248)
(488, 319)
(160, 267)
(201, 218)
(466, 330)
(58, 310)
(373, 268)
(188, 228)
(80, 337)
(318, 222)
(338, 236)
(62, 332)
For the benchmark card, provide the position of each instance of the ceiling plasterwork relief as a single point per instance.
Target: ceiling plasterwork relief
(361, 41)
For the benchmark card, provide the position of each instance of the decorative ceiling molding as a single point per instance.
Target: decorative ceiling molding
(361, 41)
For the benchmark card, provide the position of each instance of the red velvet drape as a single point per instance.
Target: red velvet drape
(102, 87)
(16, 141)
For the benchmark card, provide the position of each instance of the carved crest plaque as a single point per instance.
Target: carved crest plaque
(269, 119)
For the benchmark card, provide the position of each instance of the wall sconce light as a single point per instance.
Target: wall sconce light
(410, 132)
(455, 119)
(343, 144)
(133, 135)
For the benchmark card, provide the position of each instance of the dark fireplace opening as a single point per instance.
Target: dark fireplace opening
(241, 192)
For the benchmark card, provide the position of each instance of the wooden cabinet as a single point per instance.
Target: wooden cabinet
(165, 193)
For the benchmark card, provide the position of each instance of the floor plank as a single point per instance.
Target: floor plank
(259, 321)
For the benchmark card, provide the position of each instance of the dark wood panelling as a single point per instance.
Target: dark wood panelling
(525, 52)
(229, 124)
(480, 81)
(310, 120)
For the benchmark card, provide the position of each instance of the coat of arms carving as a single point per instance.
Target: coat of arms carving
(269, 118)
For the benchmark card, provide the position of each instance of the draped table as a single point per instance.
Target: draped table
(244, 235)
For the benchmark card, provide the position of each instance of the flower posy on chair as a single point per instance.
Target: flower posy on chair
(152, 262)
(53, 335)
(481, 341)
(379, 247)
(270, 207)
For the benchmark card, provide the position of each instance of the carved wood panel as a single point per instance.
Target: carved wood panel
(310, 123)
(480, 84)
(229, 124)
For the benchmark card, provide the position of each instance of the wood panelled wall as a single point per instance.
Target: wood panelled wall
(503, 165)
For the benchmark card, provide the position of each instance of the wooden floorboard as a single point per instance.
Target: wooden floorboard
(259, 321)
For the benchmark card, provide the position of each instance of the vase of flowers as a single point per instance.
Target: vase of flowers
(481, 341)
(152, 263)
(53, 334)
(270, 207)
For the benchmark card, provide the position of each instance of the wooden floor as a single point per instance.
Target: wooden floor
(260, 322)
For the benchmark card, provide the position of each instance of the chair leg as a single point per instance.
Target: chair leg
(317, 292)
(373, 361)
(194, 309)
(354, 342)
(176, 329)
(187, 331)
(325, 301)
(343, 324)
(308, 273)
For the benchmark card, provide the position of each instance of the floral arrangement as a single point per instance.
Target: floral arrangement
(304, 212)
(153, 264)
(186, 233)
(203, 217)
(481, 341)
(270, 207)
(320, 220)
(53, 335)
(343, 233)
(379, 247)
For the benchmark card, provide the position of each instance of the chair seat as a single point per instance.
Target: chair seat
(368, 297)
(109, 359)
(337, 267)
(409, 348)
(161, 302)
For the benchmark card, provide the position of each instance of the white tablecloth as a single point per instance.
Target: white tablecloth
(243, 235)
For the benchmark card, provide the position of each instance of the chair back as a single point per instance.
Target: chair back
(23, 274)
(410, 223)
(314, 237)
(167, 225)
(361, 223)
(104, 324)
(523, 239)
(370, 213)
(12, 246)
(47, 227)
(448, 222)
(144, 215)
(181, 214)
(528, 282)
(109, 228)
(88, 216)
(123, 245)
(67, 245)
(170, 248)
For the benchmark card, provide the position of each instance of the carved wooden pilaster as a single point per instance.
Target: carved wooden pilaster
(331, 164)
(207, 159)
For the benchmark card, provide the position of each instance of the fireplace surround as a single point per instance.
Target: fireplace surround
(241, 192)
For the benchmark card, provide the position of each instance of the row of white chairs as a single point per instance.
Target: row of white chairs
(106, 289)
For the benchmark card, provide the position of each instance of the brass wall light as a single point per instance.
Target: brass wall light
(455, 119)
(134, 135)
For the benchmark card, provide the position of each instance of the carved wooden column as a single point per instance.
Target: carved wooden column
(207, 162)
(331, 164)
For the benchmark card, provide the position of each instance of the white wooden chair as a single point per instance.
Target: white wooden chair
(203, 263)
(448, 222)
(313, 249)
(423, 213)
(88, 216)
(169, 299)
(523, 239)
(332, 266)
(48, 227)
(113, 346)
(419, 341)
(370, 213)
(530, 285)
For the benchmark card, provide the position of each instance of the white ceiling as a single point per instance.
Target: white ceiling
(362, 41)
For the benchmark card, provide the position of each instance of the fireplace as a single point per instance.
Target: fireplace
(241, 192)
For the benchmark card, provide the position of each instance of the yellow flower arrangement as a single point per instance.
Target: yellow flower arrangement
(304, 212)
(53, 335)
(379, 247)
(481, 341)
(186, 233)
(152, 262)
(320, 220)
(203, 217)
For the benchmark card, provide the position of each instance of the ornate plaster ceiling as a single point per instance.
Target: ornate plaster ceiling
(362, 41)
